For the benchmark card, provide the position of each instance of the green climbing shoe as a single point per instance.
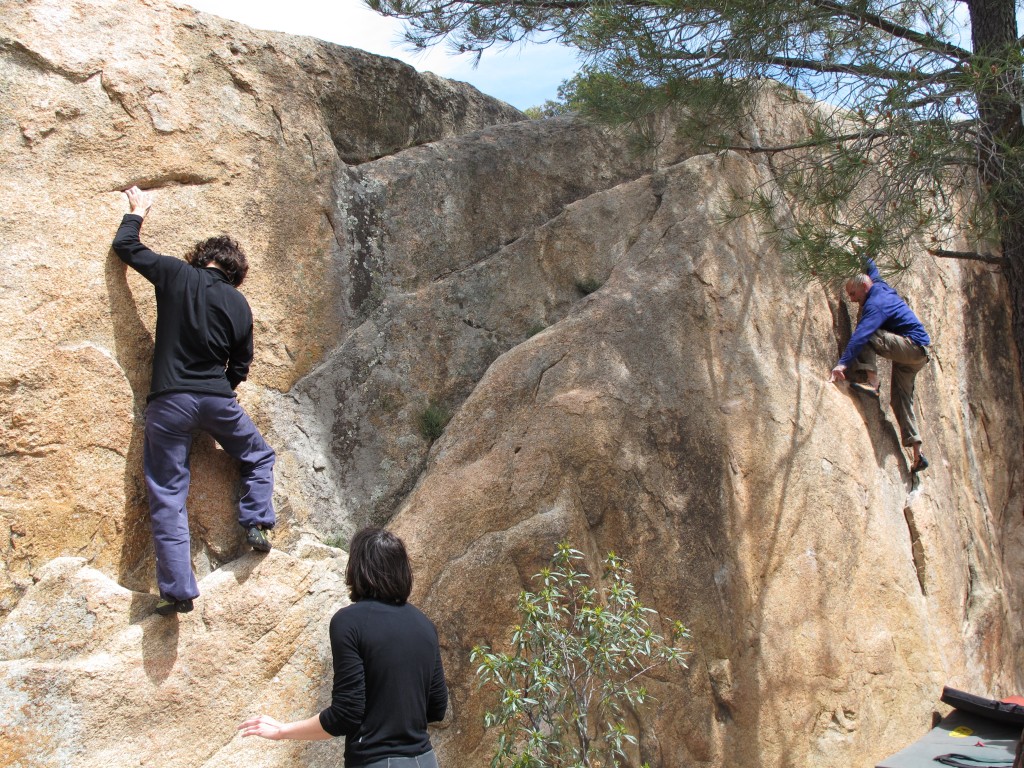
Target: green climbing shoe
(166, 607)
(257, 539)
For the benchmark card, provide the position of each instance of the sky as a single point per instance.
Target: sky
(524, 75)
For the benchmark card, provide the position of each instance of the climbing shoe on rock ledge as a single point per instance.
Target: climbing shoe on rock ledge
(864, 388)
(257, 539)
(920, 465)
(167, 607)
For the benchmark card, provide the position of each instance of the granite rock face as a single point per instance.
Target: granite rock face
(681, 417)
(237, 131)
(92, 677)
(625, 365)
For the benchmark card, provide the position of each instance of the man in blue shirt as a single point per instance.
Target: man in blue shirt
(889, 328)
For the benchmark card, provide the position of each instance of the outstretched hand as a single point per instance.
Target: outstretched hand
(837, 374)
(309, 729)
(262, 725)
(140, 202)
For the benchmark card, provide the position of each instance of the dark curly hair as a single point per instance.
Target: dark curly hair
(226, 252)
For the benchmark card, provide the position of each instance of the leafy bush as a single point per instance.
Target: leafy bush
(576, 665)
(548, 109)
(337, 540)
(432, 421)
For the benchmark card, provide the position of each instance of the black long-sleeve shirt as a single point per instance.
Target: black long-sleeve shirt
(388, 681)
(203, 324)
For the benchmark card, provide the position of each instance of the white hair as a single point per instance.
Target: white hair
(860, 280)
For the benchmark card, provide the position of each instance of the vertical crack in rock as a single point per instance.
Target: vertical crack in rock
(972, 585)
(312, 152)
(280, 127)
(917, 549)
(840, 321)
(388, 506)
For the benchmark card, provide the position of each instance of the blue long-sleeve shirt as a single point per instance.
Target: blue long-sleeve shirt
(883, 308)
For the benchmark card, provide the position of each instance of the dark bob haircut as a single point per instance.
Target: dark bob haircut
(378, 568)
(226, 252)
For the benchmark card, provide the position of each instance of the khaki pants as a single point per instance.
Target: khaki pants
(907, 359)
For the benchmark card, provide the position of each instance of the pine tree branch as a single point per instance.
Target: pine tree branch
(865, 70)
(986, 258)
(926, 41)
(943, 98)
(789, 62)
(875, 133)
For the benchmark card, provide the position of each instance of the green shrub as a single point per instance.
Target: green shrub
(337, 540)
(432, 421)
(534, 329)
(575, 667)
(548, 109)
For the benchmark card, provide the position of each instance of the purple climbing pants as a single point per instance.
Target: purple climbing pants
(170, 421)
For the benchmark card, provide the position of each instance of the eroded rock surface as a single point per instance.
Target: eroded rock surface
(625, 366)
(680, 416)
(237, 131)
(91, 677)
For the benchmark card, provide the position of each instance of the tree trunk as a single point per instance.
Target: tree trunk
(1013, 248)
(994, 34)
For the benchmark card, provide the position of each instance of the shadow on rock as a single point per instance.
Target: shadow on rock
(133, 346)
(159, 638)
(243, 567)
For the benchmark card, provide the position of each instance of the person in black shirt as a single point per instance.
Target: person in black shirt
(388, 676)
(203, 350)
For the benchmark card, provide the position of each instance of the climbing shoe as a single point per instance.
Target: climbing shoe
(166, 607)
(920, 465)
(864, 388)
(257, 539)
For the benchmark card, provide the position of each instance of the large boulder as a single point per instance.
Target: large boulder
(239, 131)
(626, 364)
(92, 677)
(681, 416)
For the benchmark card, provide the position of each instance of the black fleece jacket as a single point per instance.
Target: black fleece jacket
(203, 324)
(388, 681)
